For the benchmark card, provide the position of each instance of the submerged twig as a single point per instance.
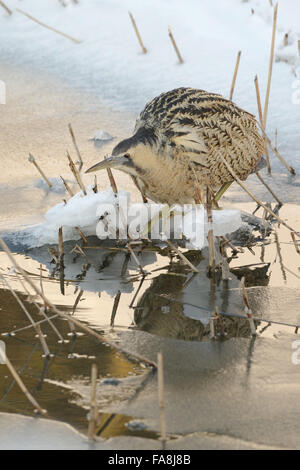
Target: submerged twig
(94, 413)
(77, 322)
(21, 384)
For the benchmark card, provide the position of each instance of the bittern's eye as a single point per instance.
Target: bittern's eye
(127, 155)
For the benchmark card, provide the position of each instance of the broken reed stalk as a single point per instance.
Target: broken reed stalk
(68, 317)
(268, 188)
(21, 384)
(31, 159)
(94, 413)
(112, 181)
(95, 187)
(48, 27)
(80, 161)
(261, 122)
(278, 155)
(181, 255)
(69, 190)
(2, 4)
(266, 106)
(136, 259)
(77, 300)
(161, 402)
(76, 174)
(235, 74)
(35, 326)
(61, 260)
(137, 33)
(82, 236)
(175, 46)
(261, 204)
(115, 308)
(247, 308)
(295, 243)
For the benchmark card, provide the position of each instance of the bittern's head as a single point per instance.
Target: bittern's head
(135, 156)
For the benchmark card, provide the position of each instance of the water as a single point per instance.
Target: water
(217, 386)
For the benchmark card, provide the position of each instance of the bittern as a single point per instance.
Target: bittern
(180, 141)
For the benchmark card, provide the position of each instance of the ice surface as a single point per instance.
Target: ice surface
(102, 136)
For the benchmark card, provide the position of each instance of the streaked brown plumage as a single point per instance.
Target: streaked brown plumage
(187, 128)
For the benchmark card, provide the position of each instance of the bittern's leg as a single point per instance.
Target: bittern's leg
(222, 190)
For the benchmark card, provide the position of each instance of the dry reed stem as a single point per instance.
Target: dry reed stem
(77, 300)
(112, 181)
(31, 159)
(299, 47)
(161, 402)
(181, 255)
(2, 4)
(80, 325)
(268, 188)
(82, 236)
(76, 174)
(175, 46)
(295, 243)
(255, 198)
(69, 190)
(115, 308)
(235, 74)
(278, 155)
(22, 386)
(94, 413)
(80, 161)
(266, 106)
(136, 259)
(261, 122)
(247, 308)
(137, 33)
(48, 27)
(95, 188)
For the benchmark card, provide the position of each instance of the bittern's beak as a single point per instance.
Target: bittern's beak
(110, 162)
